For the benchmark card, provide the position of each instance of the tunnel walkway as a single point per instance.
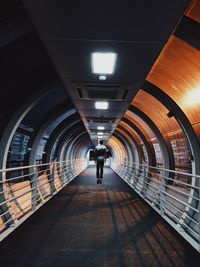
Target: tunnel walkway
(87, 224)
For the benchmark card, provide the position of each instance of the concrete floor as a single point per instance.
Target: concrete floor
(87, 224)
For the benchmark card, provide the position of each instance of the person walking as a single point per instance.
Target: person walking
(100, 157)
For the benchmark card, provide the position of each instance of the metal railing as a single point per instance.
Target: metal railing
(174, 195)
(25, 189)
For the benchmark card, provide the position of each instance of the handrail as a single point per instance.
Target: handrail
(175, 199)
(31, 166)
(163, 169)
(23, 193)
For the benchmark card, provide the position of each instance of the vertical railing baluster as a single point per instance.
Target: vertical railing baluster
(51, 178)
(34, 178)
(162, 195)
(144, 183)
(199, 212)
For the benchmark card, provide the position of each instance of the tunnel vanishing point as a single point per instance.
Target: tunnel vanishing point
(142, 100)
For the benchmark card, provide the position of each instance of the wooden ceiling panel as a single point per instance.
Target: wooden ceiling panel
(126, 135)
(118, 148)
(156, 112)
(144, 128)
(177, 73)
(131, 131)
(194, 11)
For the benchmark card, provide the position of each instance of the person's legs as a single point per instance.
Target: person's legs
(101, 169)
(98, 166)
(97, 169)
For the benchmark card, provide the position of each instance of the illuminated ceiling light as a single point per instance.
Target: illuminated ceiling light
(100, 128)
(193, 97)
(101, 105)
(103, 63)
(100, 137)
(100, 133)
(102, 78)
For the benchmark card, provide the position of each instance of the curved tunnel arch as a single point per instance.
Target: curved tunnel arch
(147, 144)
(126, 145)
(70, 148)
(59, 134)
(133, 153)
(82, 147)
(165, 146)
(17, 119)
(180, 117)
(139, 154)
(70, 139)
(47, 120)
(66, 140)
(119, 152)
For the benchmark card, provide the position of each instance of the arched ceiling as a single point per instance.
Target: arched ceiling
(181, 80)
(156, 111)
(136, 31)
(157, 44)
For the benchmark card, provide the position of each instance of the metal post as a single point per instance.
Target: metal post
(5, 208)
(72, 170)
(199, 211)
(34, 186)
(129, 176)
(162, 195)
(61, 175)
(144, 187)
(139, 178)
(68, 171)
(124, 171)
(64, 178)
(134, 176)
(51, 178)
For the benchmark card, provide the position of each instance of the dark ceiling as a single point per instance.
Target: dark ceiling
(136, 30)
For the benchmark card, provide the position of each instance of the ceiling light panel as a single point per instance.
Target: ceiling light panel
(101, 105)
(100, 128)
(103, 63)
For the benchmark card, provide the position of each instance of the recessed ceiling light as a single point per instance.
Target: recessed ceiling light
(103, 63)
(100, 137)
(100, 133)
(102, 77)
(101, 105)
(100, 128)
